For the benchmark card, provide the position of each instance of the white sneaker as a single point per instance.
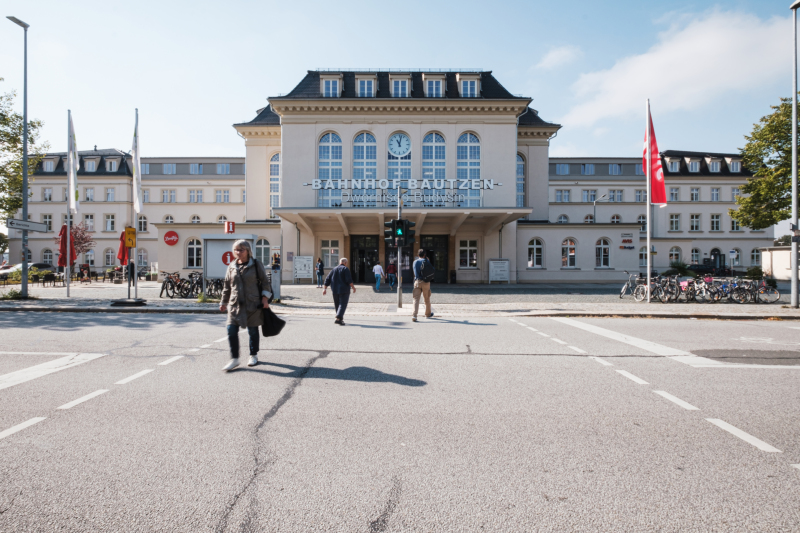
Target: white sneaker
(231, 365)
(253, 361)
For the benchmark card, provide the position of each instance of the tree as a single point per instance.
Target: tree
(11, 127)
(786, 240)
(768, 154)
(3, 243)
(81, 238)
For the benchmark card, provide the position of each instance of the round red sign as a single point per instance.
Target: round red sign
(171, 238)
(227, 257)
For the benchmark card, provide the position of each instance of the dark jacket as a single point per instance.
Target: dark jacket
(417, 268)
(240, 293)
(339, 280)
(320, 268)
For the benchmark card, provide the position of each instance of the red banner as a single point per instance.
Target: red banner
(658, 193)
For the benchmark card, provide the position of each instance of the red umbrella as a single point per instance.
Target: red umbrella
(62, 248)
(122, 255)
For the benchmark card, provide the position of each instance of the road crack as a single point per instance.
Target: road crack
(11, 503)
(382, 522)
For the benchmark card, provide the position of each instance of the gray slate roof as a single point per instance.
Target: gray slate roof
(531, 118)
(122, 169)
(724, 170)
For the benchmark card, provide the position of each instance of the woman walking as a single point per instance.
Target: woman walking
(320, 272)
(244, 293)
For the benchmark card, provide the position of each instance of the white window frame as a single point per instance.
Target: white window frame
(694, 222)
(111, 165)
(562, 219)
(736, 166)
(562, 196)
(169, 168)
(589, 195)
(716, 222)
(695, 256)
(196, 219)
(262, 251)
(735, 226)
(49, 166)
(569, 260)
(602, 253)
(434, 88)
(194, 253)
(110, 223)
(223, 168)
(642, 221)
(195, 168)
(109, 258)
(110, 194)
(169, 219)
(141, 223)
(587, 169)
(470, 247)
(47, 219)
(674, 222)
(329, 252)
(88, 222)
(675, 255)
(330, 88)
(469, 89)
(588, 219)
(715, 194)
(401, 88)
(641, 195)
(674, 166)
(736, 260)
(366, 88)
(146, 196)
(145, 168)
(47, 194)
(536, 253)
(694, 166)
(88, 194)
(674, 194)
(755, 257)
(90, 165)
(694, 194)
(616, 219)
(614, 169)
(735, 191)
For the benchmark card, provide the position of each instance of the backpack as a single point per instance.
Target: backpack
(427, 271)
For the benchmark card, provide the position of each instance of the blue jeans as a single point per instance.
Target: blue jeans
(233, 340)
(391, 279)
(320, 279)
(340, 303)
(377, 283)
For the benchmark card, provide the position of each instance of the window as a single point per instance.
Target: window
(468, 254)
(590, 195)
(196, 168)
(88, 222)
(674, 222)
(587, 169)
(64, 220)
(274, 201)
(602, 251)
(674, 255)
(643, 256)
(49, 166)
(244, 196)
(141, 257)
(736, 260)
(196, 196)
(713, 166)
(330, 253)
(111, 166)
(639, 170)
(262, 251)
(735, 225)
(535, 254)
(563, 219)
(736, 166)
(168, 168)
(695, 194)
(734, 193)
(365, 88)
(222, 219)
(195, 219)
(434, 89)
(194, 254)
(469, 89)
(562, 195)
(330, 168)
(520, 181)
(146, 196)
(89, 194)
(330, 88)
(434, 164)
(48, 221)
(674, 166)
(365, 161)
(641, 195)
(274, 182)
(145, 168)
(90, 165)
(88, 258)
(223, 196)
(694, 222)
(562, 169)
(109, 195)
(715, 195)
(169, 220)
(616, 219)
(400, 88)
(223, 168)
(694, 166)
(715, 222)
(47, 194)
(47, 256)
(695, 256)
(588, 219)
(568, 253)
(468, 152)
(642, 220)
(755, 257)
(614, 169)
(109, 257)
(110, 223)
(674, 194)
(142, 223)
(615, 195)
(168, 196)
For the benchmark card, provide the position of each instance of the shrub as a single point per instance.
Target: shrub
(14, 294)
(678, 268)
(754, 272)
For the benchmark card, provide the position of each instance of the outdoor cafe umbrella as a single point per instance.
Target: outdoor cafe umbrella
(62, 248)
(122, 254)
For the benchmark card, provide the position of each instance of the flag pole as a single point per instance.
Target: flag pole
(135, 188)
(69, 192)
(648, 174)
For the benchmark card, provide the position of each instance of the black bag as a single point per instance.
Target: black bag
(427, 271)
(272, 325)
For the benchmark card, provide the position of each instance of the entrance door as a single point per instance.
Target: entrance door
(435, 247)
(363, 255)
(404, 266)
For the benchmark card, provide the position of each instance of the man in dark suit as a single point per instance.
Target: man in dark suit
(340, 281)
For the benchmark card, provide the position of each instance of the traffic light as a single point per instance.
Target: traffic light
(408, 233)
(389, 234)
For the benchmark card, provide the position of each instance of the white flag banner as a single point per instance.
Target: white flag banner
(137, 168)
(73, 163)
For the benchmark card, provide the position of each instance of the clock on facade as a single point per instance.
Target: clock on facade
(399, 144)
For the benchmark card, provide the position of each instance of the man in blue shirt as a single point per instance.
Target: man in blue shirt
(421, 287)
(340, 281)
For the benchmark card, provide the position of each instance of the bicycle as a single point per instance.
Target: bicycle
(171, 280)
(630, 285)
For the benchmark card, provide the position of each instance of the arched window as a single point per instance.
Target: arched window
(194, 254)
(755, 257)
(642, 221)
(535, 253)
(262, 251)
(695, 256)
(329, 171)
(142, 223)
(588, 219)
(736, 260)
(602, 253)
(169, 220)
(616, 219)
(468, 153)
(88, 258)
(109, 257)
(643, 256)
(568, 253)
(563, 219)
(195, 219)
(274, 183)
(365, 166)
(433, 168)
(47, 256)
(399, 169)
(141, 257)
(520, 181)
(674, 255)
(222, 219)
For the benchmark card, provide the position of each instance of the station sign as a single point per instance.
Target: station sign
(26, 225)
(386, 190)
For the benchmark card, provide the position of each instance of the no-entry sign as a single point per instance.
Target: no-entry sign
(227, 257)
(171, 238)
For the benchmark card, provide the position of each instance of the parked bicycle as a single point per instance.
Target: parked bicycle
(170, 284)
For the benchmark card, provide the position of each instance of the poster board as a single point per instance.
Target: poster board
(499, 270)
(217, 250)
(303, 267)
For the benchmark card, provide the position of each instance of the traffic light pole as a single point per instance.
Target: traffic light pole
(399, 252)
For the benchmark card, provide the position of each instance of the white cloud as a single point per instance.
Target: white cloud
(694, 62)
(559, 56)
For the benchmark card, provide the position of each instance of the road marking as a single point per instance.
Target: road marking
(170, 360)
(559, 341)
(542, 334)
(512, 320)
(223, 339)
(533, 329)
(670, 397)
(194, 350)
(206, 346)
(797, 466)
(20, 427)
(38, 353)
(578, 349)
(630, 376)
(658, 349)
(601, 361)
(131, 378)
(27, 374)
(73, 403)
(733, 430)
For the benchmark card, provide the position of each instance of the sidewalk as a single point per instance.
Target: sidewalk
(452, 301)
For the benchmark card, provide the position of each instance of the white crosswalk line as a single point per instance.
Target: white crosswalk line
(223, 339)
(676, 400)
(171, 360)
(577, 349)
(63, 363)
(131, 378)
(559, 341)
(206, 346)
(601, 361)
(658, 349)
(82, 399)
(633, 378)
(20, 427)
(748, 438)
(533, 329)
(542, 334)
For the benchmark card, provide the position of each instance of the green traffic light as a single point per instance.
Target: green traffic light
(399, 231)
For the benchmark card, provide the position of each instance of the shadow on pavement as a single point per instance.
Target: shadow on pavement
(752, 357)
(354, 373)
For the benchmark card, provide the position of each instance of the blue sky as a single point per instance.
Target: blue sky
(194, 68)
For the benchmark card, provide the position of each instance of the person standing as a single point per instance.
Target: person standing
(378, 271)
(340, 281)
(320, 272)
(391, 274)
(421, 287)
(244, 288)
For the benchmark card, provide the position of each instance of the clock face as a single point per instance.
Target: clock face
(399, 144)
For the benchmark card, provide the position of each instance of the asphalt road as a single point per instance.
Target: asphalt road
(489, 424)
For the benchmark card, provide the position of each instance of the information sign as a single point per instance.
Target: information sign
(303, 266)
(499, 270)
(26, 224)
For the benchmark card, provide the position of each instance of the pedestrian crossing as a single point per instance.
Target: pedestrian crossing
(69, 360)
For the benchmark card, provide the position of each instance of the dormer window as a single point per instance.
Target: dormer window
(366, 88)
(674, 166)
(469, 89)
(694, 166)
(400, 88)
(49, 165)
(433, 89)
(713, 166)
(91, 165)
(736, 166)
(111, 166)
(330, 88)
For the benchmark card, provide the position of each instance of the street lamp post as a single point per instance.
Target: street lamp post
(793, 7)
(24, 26)
(594, 213)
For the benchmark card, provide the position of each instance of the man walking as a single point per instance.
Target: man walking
(391, 274)
(423, 275)
(378, 271)
(340, 281)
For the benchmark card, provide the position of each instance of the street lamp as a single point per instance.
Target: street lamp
(594, 215)
(793, 260)
(24, 281)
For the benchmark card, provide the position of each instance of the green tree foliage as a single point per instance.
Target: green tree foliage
(80, 238)
(3, 243)
(786, 240)
(11, 127)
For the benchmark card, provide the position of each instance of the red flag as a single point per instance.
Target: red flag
(122, 255)
(658, 193)
(62, 248)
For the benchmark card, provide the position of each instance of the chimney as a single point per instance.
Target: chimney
(95, 147)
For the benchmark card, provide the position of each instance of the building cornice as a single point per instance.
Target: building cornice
(373, 106)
